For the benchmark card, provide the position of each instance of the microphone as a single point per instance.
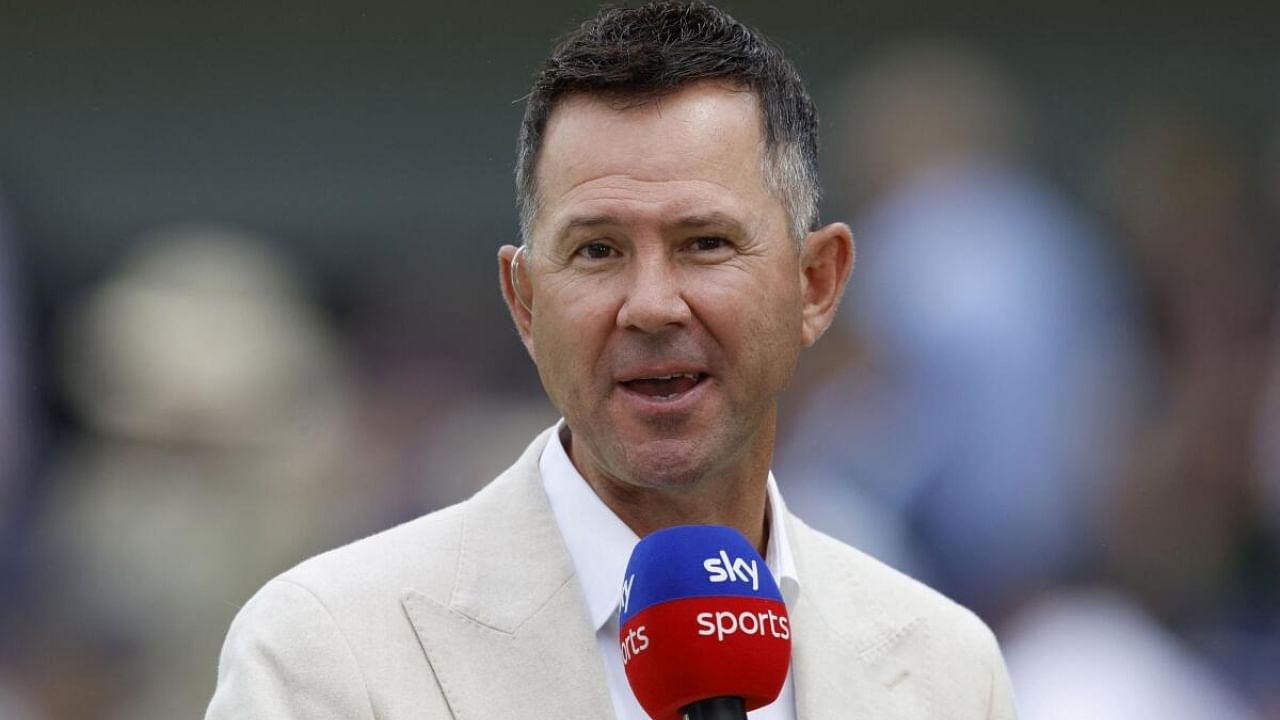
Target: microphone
(703, 628)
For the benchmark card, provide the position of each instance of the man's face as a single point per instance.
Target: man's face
(666, 291)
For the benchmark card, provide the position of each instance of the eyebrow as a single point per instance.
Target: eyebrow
(714, 218)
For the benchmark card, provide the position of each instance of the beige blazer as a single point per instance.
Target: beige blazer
(474, 613)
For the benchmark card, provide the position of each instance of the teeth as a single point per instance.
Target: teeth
(691, 376)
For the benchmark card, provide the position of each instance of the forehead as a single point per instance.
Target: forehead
(700, 146)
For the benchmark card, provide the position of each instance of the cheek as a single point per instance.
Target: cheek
(569, 334)
(750, 313)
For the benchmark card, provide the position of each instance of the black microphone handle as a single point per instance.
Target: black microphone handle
(721, 708)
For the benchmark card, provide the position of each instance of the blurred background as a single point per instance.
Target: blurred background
(249, 311)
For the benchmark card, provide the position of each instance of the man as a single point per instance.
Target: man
(671, 270)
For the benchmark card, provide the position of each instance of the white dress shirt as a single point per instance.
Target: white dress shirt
(600, 545)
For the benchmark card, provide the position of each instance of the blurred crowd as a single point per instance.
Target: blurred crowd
(1059, 405)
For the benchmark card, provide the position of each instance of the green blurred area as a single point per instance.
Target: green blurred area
(389, 126)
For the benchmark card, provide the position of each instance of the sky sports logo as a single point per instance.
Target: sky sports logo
(632, 643)
(722, 622)
(626, 592)
(722, 569)
(726, 623)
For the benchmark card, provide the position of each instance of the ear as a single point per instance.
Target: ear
(510, 262)
(825, 263)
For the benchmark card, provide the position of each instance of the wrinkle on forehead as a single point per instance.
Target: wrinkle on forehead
(663, 205)
(701, 143)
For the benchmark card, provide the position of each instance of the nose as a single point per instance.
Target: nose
(655, 299)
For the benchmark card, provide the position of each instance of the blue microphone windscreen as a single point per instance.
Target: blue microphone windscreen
(694, 561)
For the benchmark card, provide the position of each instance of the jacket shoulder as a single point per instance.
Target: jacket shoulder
(851, 574)
(423, 553)
(419, 553)
(891, 603)
(884, 614)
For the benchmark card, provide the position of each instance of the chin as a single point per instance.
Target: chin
(668, 464)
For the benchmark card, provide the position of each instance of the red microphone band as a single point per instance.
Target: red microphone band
(682, 651)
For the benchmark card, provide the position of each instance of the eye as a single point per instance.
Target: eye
(596, 251)
(708, 243)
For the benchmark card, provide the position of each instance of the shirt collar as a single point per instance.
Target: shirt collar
(600, 544)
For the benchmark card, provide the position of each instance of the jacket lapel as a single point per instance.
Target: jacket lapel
(823, 666)
(514, 638)
(852, 657)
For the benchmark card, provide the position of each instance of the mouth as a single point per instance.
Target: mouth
(664, 387)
